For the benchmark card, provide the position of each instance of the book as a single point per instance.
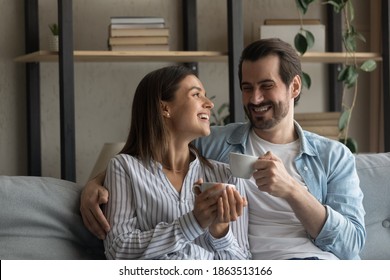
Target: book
(131, 32)
(291, 21)
(150, 40)
(137, 20)
(163, 47)
(136, 26)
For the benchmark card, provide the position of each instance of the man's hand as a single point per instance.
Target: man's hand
(92, 196)
(272, 177)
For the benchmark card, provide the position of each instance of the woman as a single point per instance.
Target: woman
(152, 209)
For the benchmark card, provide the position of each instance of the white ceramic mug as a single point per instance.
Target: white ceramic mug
(242, 165)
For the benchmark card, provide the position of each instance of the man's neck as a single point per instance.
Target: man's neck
(278, 135)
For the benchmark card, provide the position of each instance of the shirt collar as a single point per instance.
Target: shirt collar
(306, 147)
(240, 136)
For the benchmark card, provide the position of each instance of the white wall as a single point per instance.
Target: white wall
(103, 91)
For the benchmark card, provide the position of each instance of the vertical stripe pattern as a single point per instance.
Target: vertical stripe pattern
(150, 220)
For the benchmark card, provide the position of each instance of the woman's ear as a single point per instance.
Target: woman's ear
(165, 110)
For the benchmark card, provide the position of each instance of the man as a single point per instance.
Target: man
(307, 203)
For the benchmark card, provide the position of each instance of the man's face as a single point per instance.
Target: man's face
(266, 99)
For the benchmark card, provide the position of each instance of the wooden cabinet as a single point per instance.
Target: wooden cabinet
(67, 57)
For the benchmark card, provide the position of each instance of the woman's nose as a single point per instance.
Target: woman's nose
(209, 104)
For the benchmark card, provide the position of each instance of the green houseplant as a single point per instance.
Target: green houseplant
(53, 39)
(54, 29)
(349, 73)
(220, 115)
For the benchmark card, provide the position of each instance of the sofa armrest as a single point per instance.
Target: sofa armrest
(40, 219)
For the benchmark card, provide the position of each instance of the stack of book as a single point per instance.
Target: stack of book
(138, 34)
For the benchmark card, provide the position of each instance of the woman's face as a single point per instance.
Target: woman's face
(189, 112)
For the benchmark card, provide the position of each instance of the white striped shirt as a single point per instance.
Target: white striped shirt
(150, 219)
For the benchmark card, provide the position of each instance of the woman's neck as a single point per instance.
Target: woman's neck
(176, 164)
(177, 159)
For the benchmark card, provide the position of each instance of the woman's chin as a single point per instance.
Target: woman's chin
(206, 133)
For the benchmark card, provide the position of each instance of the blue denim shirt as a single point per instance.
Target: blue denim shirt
(328, 169)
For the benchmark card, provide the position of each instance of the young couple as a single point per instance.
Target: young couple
(304, 199)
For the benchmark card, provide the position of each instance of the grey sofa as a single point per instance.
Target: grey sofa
(40, 219)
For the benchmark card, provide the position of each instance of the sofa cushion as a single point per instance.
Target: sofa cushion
(40, 219)
(374, 173)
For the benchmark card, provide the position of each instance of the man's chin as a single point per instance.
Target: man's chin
(262, 123)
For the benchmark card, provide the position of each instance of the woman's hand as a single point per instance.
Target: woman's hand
(230, 207)
(206, 204)
(217, 206)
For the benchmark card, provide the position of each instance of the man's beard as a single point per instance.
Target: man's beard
(280, 111)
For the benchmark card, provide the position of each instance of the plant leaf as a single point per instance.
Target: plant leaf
(343, 74)
(300, 43)
(336, 5)
(54, 29)
(349, 41)
(348, 75)
(368, 66)
(360, 37)
(343, 120)
(302, 6)
(222, 108)
(351, 144)
(351, 11)
(309, 39)
(226, 119)
(352, 75)
(306, 80)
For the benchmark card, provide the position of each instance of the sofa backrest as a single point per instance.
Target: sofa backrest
(374, 173)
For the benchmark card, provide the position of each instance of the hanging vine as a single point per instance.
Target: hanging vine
(349, 73)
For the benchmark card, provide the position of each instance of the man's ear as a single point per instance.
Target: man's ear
(296, 86)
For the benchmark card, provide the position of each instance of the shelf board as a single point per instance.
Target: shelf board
(128, 56)
(181, 56)
(339, 57)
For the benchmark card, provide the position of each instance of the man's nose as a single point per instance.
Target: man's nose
(257, 96)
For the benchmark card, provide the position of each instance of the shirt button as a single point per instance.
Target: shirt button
(305, 168)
